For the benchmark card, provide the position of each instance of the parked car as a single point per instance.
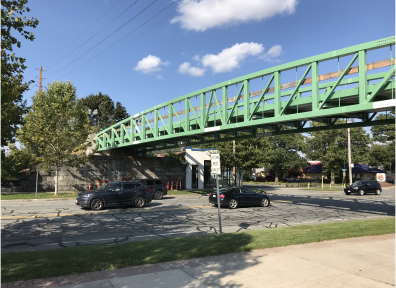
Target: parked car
(269, 178)
(291, 179)
(235, 197)
(363, 187)
(390, 180)
(115, 194)
(157, 187)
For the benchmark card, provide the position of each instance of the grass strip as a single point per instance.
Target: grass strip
(41, 195)
(52, 263)
(190, 192)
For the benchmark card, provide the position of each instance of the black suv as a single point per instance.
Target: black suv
(115, 194)
(157, 187)
(364, 186)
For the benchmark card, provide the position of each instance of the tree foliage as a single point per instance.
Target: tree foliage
(331, 147)
(384, 132)
(383, 155)
(12, 67)
(108, 114)
(57, 127)
(15, 161)
(284, 153)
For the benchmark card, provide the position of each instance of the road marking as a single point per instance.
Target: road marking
(98, 213)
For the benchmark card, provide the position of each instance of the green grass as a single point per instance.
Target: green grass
(189, 192)
(65, 261)
(45, 195)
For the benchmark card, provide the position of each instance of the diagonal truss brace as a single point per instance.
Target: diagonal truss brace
(339, 80)
(296, 89)
(235, 103)
(261, 97)
(382, 84)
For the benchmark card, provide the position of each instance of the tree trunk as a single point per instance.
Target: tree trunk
(276, 177)
(332, 177)
(56, 179)
(240, 178)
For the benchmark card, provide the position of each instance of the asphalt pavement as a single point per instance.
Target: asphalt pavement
(42, 224)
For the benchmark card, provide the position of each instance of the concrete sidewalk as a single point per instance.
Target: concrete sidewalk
(357, 262)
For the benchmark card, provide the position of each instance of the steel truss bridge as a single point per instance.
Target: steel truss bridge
(221, 112)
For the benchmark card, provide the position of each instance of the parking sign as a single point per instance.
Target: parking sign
(215, 163)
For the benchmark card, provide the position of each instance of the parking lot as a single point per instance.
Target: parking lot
(43, 224)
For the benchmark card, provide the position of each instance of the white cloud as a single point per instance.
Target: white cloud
(230, 58)
(274, 52)
(159, 76)
(200, 15)
(196, 58)
(185, 68)
(150, 64)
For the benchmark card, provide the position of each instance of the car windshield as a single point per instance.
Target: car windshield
(104, 186)
(357, 183)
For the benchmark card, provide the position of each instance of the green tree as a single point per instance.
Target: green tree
(385, 132)
(284, 153)
(249, 154)
(331, 147)
(57, 125)
(107, 114)
(14, 161)
(383, 155)
(12, 67)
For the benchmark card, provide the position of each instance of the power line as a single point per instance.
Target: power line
(95, 34)
(86, 30)
(107, 37)
(133, 38)
(124, 38)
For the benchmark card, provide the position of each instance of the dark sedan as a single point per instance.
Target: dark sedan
(235, 197)
(115, 194)
(364, 186)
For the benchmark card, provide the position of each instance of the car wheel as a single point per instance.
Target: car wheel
(265, 202)
(139, 202)
(233, 204)
(361, 192)
(378, 192)
(158, 195)
(96, 204)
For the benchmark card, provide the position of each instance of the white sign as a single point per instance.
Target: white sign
(215, 163)
(381, 177)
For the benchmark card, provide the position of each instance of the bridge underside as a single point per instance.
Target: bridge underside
(357, 92)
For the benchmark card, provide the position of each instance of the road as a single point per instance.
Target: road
(44, 224)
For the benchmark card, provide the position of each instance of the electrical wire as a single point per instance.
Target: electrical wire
(106, 38)
(108, 11)
(94, 34)
(123, 38)
(133, 38)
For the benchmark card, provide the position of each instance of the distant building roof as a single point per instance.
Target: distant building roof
(358, 168)
(314, 168)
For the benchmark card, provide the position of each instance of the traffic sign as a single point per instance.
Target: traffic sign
(215, 163)
(344, 169)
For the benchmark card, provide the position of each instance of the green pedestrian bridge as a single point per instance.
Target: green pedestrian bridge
(351, 83)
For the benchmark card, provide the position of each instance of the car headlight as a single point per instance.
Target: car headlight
(355, 188)
(88, 195)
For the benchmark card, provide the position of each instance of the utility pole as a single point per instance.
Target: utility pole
(41, 78)
(349, 156)
(233, 168)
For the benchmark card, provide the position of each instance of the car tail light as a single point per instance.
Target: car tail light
(148, 190)
(221, 196)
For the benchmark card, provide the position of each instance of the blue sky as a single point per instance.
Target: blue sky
(205, 42)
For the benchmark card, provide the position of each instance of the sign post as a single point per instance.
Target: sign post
(216, 170)
(37, 170)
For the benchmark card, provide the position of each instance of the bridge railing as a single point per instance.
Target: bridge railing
(216, 110)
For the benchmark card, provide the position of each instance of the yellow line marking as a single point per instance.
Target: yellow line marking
(98, 213)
